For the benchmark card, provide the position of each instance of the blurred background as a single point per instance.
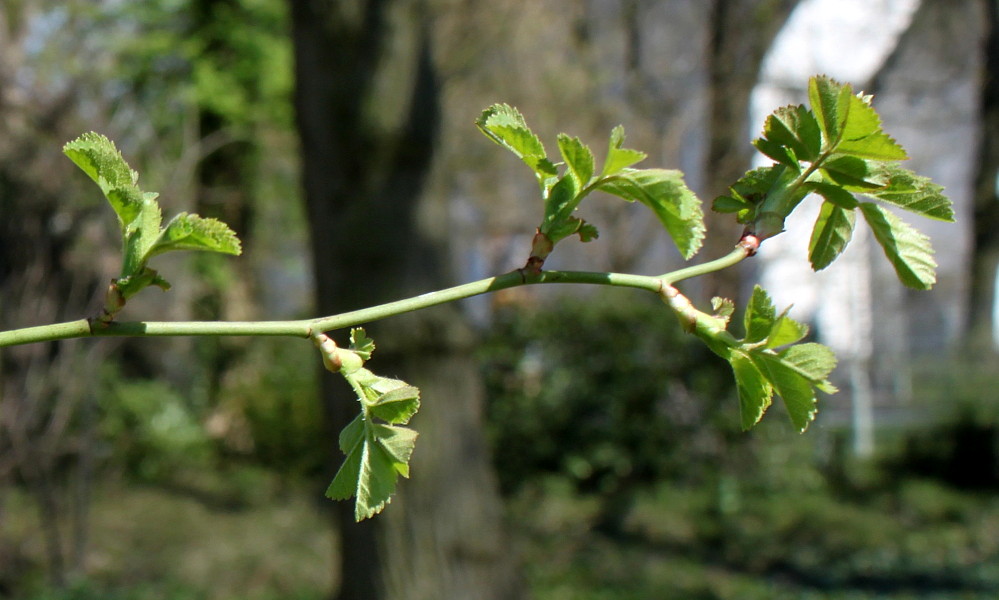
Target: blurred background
(574, 443)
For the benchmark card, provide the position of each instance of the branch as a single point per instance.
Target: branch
(305, 327)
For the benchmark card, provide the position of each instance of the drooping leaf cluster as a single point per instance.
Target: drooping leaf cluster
(376, 444)
(140, 219)
(838, 151)
(662, 190)
(767, 360)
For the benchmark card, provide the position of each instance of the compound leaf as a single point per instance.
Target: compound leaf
(908, 250)
(664, 191)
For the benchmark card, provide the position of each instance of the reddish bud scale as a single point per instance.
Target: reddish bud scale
(750, 242)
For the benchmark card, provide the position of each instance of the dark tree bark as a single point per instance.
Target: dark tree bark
(985, 248)
(742, 32)
(367, 99)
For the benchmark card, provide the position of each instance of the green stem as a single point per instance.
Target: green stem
(737, 255)
(305, 327)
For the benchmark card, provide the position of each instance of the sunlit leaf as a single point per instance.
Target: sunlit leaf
(191, 232)
(578, 158)
(617, 157)
(505, 125)
(913, 192)
(833, 231)
(755, 392)
(908, 250)
(665, 192)
(830, 101)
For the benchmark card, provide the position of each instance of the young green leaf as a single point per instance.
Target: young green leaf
(813, 361)
(746, 194)
(561, 202)
(755, 392)
(667, 195)
(862, 134)
(376, 456)
(830, 102)
(140, 235)
(397, 406)
(351, 443)
(853, 174)
(570, 226)
(760, 316)
(191, 232)
(833, 231)
(505, 125)
(778, 152)
(98, 157)
(578, 159)
(913, 192)
(785, 331)
(722, 308)
(617, 157)
(834, 194)
(793, 127)
(908, 250)
(398, 444)
(361, 343)
(794, 388)
(848, 122)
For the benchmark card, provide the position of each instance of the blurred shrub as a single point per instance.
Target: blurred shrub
(150, 429)
(959, 444)
(266, 414)
(269, 408)
(607, 391)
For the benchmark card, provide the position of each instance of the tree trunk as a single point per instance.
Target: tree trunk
(367, 102)
(985, 240)
(742, 32)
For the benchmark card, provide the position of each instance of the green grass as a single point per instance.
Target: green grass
(919, 541)
(150, 543)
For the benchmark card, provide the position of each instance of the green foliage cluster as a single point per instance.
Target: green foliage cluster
(140, 218)
(838, 151)
(377, 446)
(662, 190)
